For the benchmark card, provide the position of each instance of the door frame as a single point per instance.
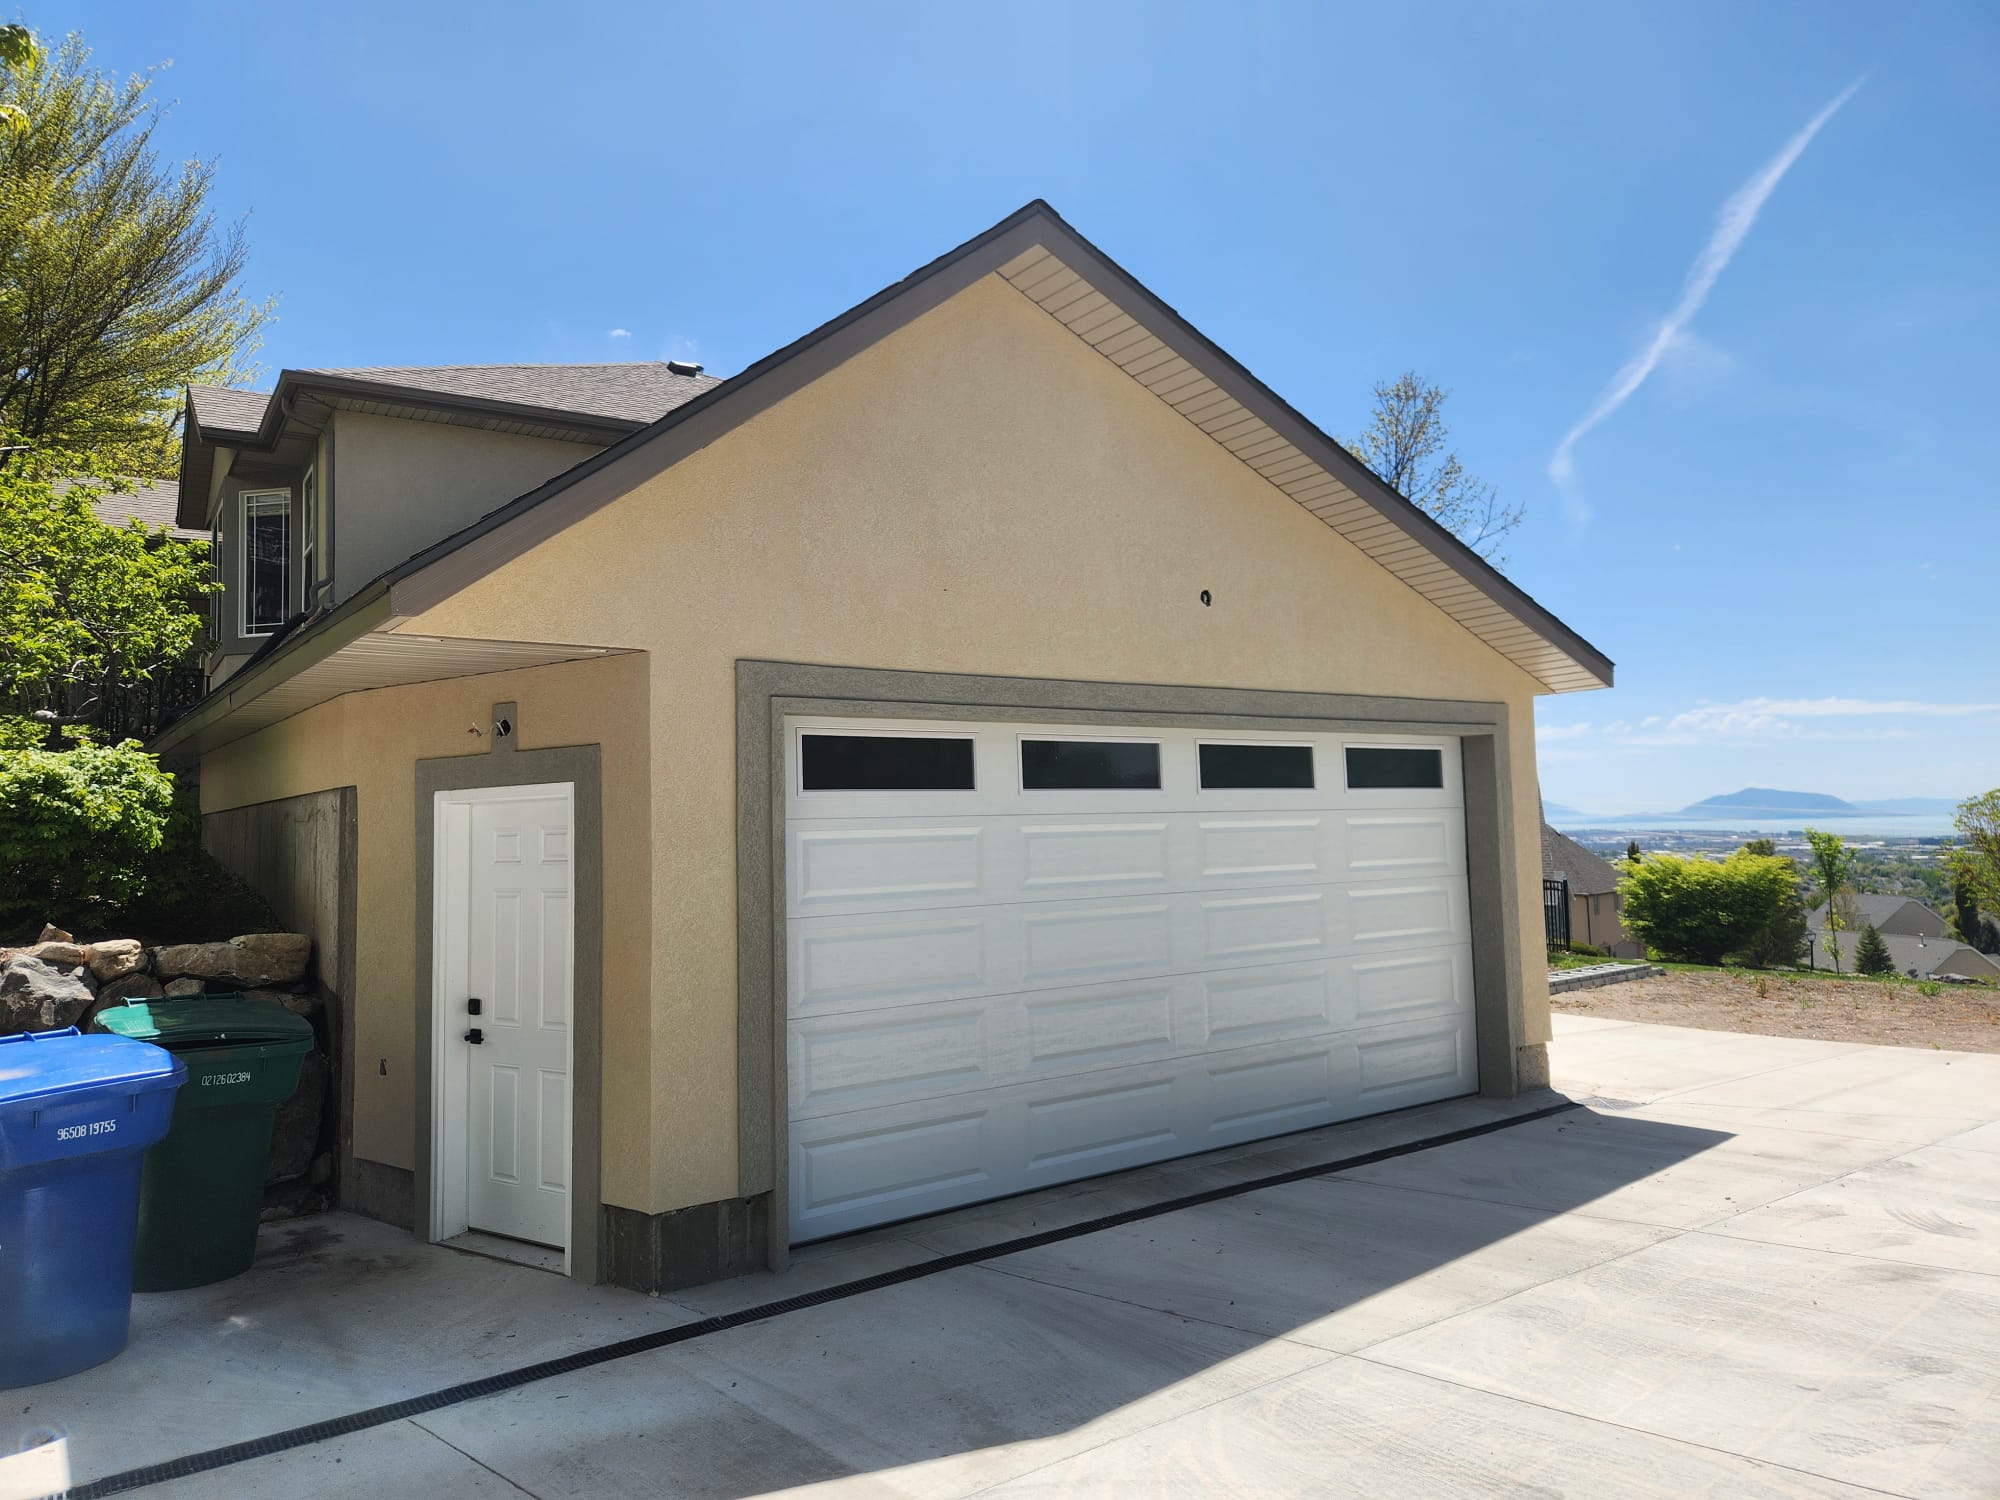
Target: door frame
(770, 692)
(451, 1057)
(509, 773)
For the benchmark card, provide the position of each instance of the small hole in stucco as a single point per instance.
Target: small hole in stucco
(1205, 599)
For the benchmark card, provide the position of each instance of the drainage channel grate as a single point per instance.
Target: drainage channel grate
(584, 1359)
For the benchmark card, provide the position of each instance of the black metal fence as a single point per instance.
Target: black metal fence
(1555, 912)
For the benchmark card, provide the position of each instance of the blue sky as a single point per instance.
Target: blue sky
(1783, 536)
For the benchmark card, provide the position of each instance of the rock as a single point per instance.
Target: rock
(64, 955)
(54, 934)
(180, 989)
(295, 1136)
(35, 996)
(116, 958)
(322, 1170)
(257, 959)
(131, 987)
(299, 1005)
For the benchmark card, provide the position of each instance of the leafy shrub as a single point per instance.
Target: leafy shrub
(81, 826)
(1697, 910)
(1930, 989)
(1585, 950)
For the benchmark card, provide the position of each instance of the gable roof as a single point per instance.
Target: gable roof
(598, 403)
(152, 503)
(1051, 265)
(1924, 955)
(1874, 911)
(1563, 858)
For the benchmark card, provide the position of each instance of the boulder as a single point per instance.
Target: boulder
(131, 987)
(180, 989)
(295, 1136)
(257, 959)
(54, 934)
(115, 958)
(299, 1005)
(64, 955)
(35, 996)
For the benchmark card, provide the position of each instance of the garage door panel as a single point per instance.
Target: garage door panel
(1415, 1062)
(1411, 985)
(863, 963)
(1401, 844)
(876, 866)
(1241, 1007)
(853, 1062)
(1004, 989)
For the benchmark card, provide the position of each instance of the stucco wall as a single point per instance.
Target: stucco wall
(977, 493)
(372, 742)
(405, 484)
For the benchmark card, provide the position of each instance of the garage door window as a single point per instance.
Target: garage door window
(884, 763)
(1090, 765)
(1380, 767)
(1227, 766)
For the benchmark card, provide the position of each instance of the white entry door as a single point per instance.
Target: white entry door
(1020, 954)
(505, 1010)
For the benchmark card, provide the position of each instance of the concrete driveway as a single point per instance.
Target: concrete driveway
(1746, 1266)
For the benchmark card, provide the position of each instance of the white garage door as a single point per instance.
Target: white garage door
(1024, 954)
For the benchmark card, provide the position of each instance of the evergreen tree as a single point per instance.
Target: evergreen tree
(1871, 954)
(1965, 912)
(1632, 850)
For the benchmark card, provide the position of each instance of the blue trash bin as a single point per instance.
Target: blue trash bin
(76, 1114)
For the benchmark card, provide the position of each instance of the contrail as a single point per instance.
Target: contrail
(1731, 225)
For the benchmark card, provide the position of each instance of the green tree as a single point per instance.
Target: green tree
(1871, 954)
(18, 53)
(86, 609)
(1701, 910)
(117, 287)
(1975, 861)
(1964, 912)
(1833, 863)
(1406, 444)
(1760, 846)
(79, 828)
(1632, 851)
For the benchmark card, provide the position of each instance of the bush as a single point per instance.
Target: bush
(79, 828)
(1871, 954)
(1697, 910)
(1782, 942)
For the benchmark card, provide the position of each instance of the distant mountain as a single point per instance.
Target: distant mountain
(1765, 800)
(1551, 810)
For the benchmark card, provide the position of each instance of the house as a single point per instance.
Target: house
(151, 502)
(989, 742)
(1596, 910)
(1917, 937)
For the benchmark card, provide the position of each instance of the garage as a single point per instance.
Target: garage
(1019, 954)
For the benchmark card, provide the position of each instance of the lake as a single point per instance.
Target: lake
(1857, 826)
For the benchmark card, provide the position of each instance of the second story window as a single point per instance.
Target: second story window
(267, 560)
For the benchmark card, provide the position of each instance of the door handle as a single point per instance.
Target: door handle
(475, 1036)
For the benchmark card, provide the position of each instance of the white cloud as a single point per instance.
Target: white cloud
(618, 333)
(1562, 732)
(1737, 218)
(1757, 720)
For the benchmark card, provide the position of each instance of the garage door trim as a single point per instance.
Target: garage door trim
(768, 692)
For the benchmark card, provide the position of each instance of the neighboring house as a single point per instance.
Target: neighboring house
(1596, 910)
(992, 741)
(1917, 937)
(1892, 916)
(150, 502)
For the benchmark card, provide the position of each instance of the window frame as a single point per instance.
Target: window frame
(1021, 764)
(243, 591)
(1312, 762)
(1348, 747)
(799, 788)
(308, 514)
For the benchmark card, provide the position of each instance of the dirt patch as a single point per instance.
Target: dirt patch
(1957, 1018)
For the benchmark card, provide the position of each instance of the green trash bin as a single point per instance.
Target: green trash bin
(201, 1190)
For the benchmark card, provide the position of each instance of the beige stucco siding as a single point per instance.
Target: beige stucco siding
(403, 484)
(372, 742)
(979, 492)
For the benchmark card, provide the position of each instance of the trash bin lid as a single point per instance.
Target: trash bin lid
(208, 1021)
(39, 1066)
